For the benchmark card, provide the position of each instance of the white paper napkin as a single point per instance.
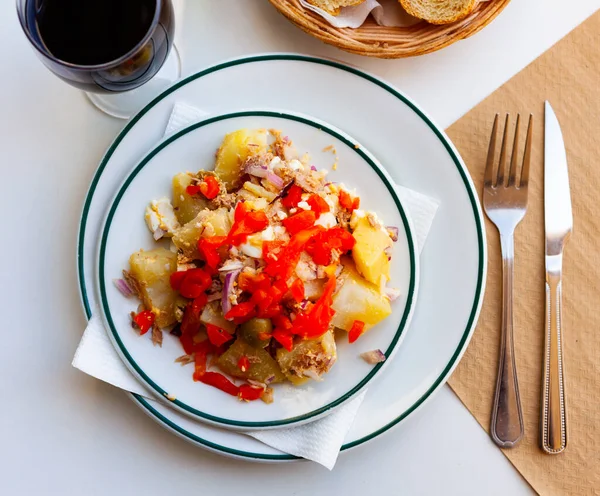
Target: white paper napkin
(319, 441)
(385, 12)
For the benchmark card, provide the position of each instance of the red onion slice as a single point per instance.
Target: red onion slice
(373, 357)
(158, 234)
(228, 290)
(274, 179)
(393, 232)
(231, 265)
(256, 170)
(123, 287)
(392, 293)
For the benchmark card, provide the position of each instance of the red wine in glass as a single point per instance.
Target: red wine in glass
(100, 46)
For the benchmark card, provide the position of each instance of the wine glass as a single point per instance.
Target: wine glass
(120, 52)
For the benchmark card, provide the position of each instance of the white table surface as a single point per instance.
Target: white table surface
(62, 432)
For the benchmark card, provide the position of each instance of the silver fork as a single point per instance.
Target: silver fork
(505, 203)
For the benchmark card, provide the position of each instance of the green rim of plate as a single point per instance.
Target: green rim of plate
(103, 277)
(383, 85)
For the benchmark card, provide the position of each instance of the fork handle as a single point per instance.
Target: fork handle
(507, 417)
(553, 421)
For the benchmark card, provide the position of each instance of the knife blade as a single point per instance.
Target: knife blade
(558, 215)
(558, 219)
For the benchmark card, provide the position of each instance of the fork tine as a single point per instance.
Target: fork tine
(501, 163)
(488, 179)
(527, 155)
(512, 170)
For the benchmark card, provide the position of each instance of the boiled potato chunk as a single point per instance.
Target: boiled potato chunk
(234, 150)
(213, 314)
(358, 299)
(369, 252)
(186, 206)
(206, 223)
(150, 271)
(309, 359)
(263, 367)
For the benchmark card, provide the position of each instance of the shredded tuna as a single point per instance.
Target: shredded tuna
(157, 335)
(185, 359)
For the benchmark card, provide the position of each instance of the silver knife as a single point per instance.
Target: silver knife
(558, 223)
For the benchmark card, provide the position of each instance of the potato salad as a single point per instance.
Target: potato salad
(260, 265)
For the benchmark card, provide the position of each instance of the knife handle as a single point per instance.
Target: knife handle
(553, 422)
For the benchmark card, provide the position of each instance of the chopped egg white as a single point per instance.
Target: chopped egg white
(160, 215)
(253, 245)
(279, 231)
(326, 220)
(275, 163)
(295, 165)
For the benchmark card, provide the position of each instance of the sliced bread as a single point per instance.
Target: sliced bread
(333, 6)
(439, 11)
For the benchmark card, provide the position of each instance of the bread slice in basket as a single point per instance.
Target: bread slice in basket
(439, 11)
(333, 6)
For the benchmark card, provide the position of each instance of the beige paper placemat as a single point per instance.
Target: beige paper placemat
(568, 75)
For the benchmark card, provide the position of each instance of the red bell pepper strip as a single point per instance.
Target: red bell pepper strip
(187, 342)
(278, 290)
(315, 322)
(347, 202)
(321, 245)
(191, 316)
(176, 278)
(300, 221)
(356, 331)
(262, 299)
(293, 197)
(217, 336)
(195, 282)
(192, 190)
(241, 209)
(256, 221)
(271, 250)
(208, 248)
(243, 363)
(240, 310)
(246, 223)
(201, 351)
(209, 187)
(284, 338)
(144, 321)
(318, 205)
(282, 322)
(286, 261)
(249, 393)
(220, 382)
(251, 283)
(297, 290)
(272, 311)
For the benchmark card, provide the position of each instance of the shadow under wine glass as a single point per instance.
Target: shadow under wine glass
(119, 87)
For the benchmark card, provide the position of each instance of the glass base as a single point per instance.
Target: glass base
(127, 104)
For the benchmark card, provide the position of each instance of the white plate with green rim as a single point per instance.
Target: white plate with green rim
(125, 232)
(419, 155)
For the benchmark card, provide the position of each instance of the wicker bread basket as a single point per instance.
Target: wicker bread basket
(390, 42)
